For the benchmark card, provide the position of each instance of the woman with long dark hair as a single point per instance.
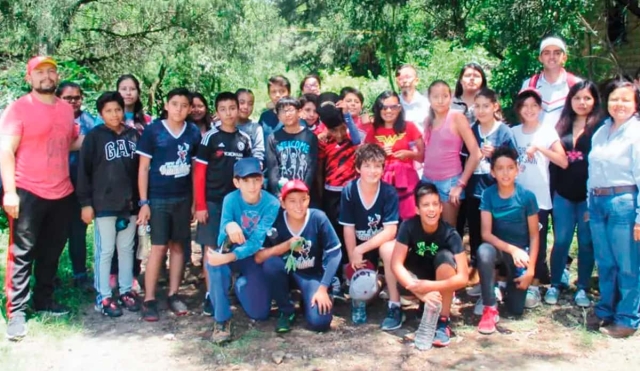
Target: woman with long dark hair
(614, 217)
(129, 87)
(200, 113)
(398, 138)
(577, 123)
(470, 81)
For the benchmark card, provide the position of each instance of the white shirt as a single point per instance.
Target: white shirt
(417, 110)
(534, 172)
(554, 97)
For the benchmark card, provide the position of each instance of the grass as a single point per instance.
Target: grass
(75, 299)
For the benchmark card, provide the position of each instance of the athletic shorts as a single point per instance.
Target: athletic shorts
(207, 234)
(170, 220)
(429, 272)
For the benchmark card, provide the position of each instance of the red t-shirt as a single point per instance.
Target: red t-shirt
(46, 132)
(339, 162)
(383, 136)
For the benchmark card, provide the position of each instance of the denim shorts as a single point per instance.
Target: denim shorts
(445, 186)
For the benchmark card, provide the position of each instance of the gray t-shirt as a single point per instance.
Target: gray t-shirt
(510, 214)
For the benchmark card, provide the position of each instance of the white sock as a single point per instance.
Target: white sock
(502, 284)
(534, 288)
(394, 304)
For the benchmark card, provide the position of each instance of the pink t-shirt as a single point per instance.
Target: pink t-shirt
(42, 157)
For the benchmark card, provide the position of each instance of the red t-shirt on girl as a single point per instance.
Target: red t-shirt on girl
(383, 136)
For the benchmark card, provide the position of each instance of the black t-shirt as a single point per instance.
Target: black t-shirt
(220, 150)
(423, 246)
(571, 183)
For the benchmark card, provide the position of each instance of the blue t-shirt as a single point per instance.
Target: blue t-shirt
(510, 214)
(500, 135)
(254, 219)
(368, 220)
(319, 239)
(171, 155)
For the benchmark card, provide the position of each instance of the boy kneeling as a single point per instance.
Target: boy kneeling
(309, 244)
(247, 215)
(429, 259)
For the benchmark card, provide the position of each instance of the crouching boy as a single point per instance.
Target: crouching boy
(428, 258)
(247, 214)
(309, 245)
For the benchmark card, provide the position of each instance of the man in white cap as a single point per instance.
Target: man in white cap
(553, 83)
(36, 134)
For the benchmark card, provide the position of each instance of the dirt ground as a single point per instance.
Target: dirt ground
(547, 338)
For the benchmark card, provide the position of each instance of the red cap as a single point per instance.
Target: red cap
(349, 271)
(293, 186)
(35, 62)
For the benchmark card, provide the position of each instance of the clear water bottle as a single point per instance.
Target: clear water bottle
(272, 235)
(427, 329)
(521, 270)
(144, 241)
(358, 311)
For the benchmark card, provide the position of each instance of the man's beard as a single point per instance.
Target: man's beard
(46, 91)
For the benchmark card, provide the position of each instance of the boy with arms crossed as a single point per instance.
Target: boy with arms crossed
(429, 259)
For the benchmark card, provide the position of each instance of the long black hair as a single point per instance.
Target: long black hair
(619, 84)
(568, 116)
(138, 111)
(473, 66)
(205, 122)
(400, 126)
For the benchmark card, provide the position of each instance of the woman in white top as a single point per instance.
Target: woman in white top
(537, 145)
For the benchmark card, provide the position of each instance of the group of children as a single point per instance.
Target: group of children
(316, 191)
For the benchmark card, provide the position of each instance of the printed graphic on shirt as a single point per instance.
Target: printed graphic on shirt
(422, 248)
(303, 258)
(575, 156)
(181, 167)
(119, 149)
(249, 220)
(294, 159)
(389, 140)
(374, 224)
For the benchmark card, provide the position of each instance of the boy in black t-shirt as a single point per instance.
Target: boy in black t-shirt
(429, 259)
(219, 150)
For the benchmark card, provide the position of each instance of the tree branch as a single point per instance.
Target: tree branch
(125, 36)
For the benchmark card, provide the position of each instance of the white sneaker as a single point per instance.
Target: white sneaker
(533, 298)
(582, 300)
(478, 308)
(475, 290)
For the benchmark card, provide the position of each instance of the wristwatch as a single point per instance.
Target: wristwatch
(143, 202)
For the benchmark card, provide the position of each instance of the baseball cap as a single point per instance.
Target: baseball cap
(293, 186)
(35, 62)
(553, 41)
(363, 283)
(246, 166)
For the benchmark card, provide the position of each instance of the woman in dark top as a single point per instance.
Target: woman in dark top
(577, 124)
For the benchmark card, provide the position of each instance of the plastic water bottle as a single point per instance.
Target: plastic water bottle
(144, 241)
(272, 235)
(358, 311)
(427, 329)
(521, 270)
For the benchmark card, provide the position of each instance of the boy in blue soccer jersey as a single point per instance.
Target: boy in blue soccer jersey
(247, 214)
(166, 150)
(369, 214)
(308, 242)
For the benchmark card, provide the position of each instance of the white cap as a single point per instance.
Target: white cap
(553, 41)
(363, 285)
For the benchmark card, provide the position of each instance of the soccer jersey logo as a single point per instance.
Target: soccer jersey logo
(240, 146)
(181, 167)
(249, 220)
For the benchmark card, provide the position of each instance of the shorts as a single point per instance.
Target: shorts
(170, 220)
(372, 255)
(445, 186)
(425, 272)
(207, 234)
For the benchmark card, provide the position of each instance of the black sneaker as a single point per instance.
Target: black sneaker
(150, 311)
(53, 309)
(284, 322)
(17, 327)
(109, 307)
(177, 306)
(207, 307)
(130, 301)
(221, 332)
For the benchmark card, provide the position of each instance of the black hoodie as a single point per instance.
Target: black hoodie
(108, 171)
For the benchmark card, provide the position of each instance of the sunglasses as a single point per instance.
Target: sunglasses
(393, 107)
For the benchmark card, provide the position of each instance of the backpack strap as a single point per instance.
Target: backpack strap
(571, 79)
(533, 81)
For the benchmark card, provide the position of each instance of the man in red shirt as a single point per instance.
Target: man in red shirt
(36, 134)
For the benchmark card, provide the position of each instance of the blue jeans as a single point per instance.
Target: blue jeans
(612, 219)
(278, 280)
(566, 216)
(251, 289)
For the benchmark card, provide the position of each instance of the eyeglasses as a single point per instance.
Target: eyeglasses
(393, 107)
(288, 111)
(72, 98)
